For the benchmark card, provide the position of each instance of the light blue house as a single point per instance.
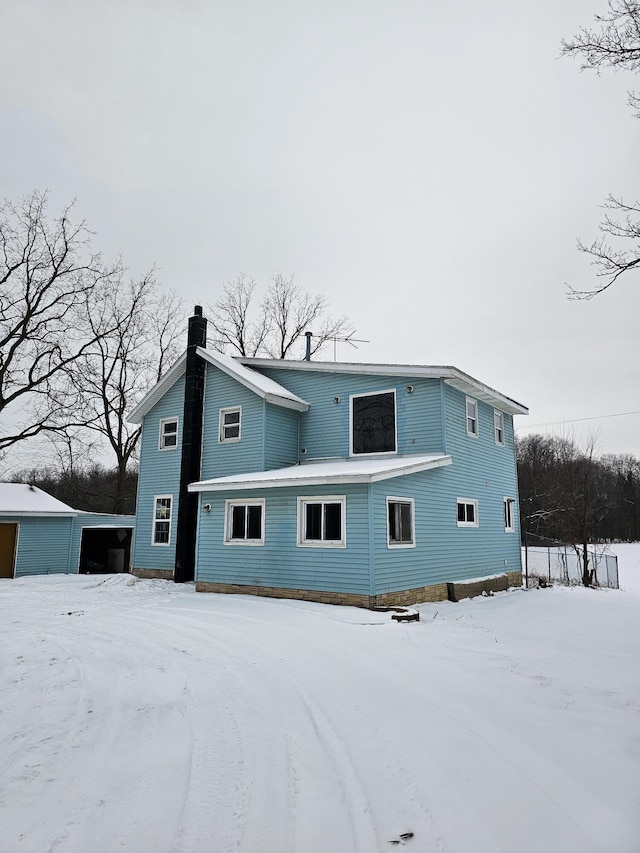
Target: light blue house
(350, 483)
(40, 535)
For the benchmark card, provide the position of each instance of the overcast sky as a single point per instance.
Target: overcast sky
(426, 166)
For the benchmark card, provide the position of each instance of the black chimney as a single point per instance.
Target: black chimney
(191, 449)
(307, 355)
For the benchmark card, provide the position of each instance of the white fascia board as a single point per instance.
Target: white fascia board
(262, 480)
(242, 373)
(452, 375)
(17, 513)
(158, 391)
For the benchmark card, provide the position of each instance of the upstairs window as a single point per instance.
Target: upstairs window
(168, 434)
(400, 532)
(472, 417)
(498, 426)
(321, 522)
(230, 423)
(162, 520)
(373, 423)
(244, 524)
(467, 512)
(509, 510)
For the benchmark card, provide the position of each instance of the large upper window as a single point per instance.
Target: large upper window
(373, 423)
(472, 417)
(400, 532)
(230, 422)
(162, 520)
(244, 522)
(168, 434)
(498, 426)
(467, 512)
(321, 521)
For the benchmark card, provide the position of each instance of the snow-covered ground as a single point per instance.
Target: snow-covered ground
(141, 716)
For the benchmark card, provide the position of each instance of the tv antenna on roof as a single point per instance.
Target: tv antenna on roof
(347, 339)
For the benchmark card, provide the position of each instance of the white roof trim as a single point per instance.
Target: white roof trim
(20, 499)
(451, 375)
(343, 471)
(268, 389)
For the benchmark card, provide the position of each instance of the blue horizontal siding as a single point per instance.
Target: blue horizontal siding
(324, 429)
(43, 545)
(280, 562)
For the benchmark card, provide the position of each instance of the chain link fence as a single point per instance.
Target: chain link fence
(559, 563)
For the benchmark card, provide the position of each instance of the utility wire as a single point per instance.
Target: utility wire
(575, 420)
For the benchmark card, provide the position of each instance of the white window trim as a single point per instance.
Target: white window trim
(468, 400)
(228, 504)
(393, 499)
(156, 498)
(161, 435)
(511, 501)
(498, 414)
(223, 412)
(352, 397)
(475, 523)
(328, 499)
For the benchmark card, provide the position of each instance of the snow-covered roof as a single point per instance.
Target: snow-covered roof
(23, 499)
(268, 389)
(451, 375)
(340, 471)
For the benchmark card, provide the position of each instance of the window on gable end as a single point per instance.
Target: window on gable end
(168, 434)
(498, 426)
(472, 417)
(230, 424)
(162, 520)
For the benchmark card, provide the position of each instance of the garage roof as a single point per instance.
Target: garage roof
(25, 499)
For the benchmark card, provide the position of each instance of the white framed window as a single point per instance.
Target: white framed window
(322, 521)
(498, 426)
(244, 522)
(472, 417)
(373, 422)
(162, 509)
(168, 439)
(467, 510)
(509, 515)
(400, 523)
(230, 424)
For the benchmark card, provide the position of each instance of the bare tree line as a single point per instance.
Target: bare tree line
(81, 342)
(569, 494)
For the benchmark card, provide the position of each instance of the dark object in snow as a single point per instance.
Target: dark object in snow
(400, 614)
(477, 586)
(404, 836)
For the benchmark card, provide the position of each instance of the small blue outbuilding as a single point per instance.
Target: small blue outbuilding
(40, 535)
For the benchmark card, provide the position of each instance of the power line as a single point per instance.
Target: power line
(576, 420)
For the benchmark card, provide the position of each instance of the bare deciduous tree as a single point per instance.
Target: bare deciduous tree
(274, 328)
(137, 334)
(49, 277)
(614, 44)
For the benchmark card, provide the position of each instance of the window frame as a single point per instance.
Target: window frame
(227, 410)
(468, 502)
(162, 446)
(509, 510)
(393, 499)
(476, 419)
(302, 502)
(155, 521)
(228, 521)
(377, 393)
(498, 431)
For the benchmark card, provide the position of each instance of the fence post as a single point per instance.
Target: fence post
(526, 560)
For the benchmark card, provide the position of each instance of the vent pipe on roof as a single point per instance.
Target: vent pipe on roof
(308, 336)
(194, 380)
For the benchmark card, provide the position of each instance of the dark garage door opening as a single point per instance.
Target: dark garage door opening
(105, 550)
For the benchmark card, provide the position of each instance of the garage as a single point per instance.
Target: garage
(105, 550)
